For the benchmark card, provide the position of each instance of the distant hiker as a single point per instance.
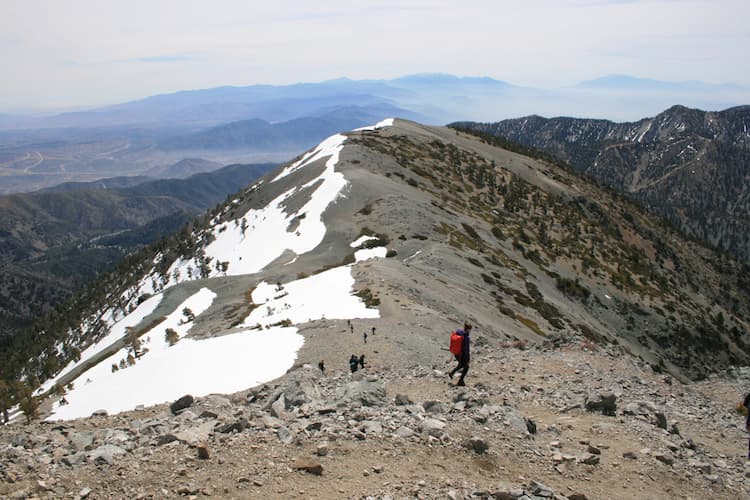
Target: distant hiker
(362, 361)
(364, 336)
(746, 403)
(353, 363)
(463, 356)
(373, 330)
(322, 367)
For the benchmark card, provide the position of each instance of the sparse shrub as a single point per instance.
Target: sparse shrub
(366, 210)
(368, 298)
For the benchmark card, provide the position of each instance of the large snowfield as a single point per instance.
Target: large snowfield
(256, 352)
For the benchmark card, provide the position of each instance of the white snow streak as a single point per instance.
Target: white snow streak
(116, 332)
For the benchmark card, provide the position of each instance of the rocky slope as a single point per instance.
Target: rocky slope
(687, 165)
(529, 424)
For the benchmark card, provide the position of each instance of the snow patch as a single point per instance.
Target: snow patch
(358, 242)
(388, 122)
(370, 253)
(301, 301)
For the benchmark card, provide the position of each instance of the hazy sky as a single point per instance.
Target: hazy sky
(67, 53)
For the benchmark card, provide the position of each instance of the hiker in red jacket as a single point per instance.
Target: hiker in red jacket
(465, 357)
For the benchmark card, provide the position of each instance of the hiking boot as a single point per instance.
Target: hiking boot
(450, 375)
(461, 383)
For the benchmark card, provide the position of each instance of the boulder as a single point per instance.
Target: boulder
(106, 454)
(302, 388)
(182, 403)
(237, 426)
(278, 408)
(402, 400)
(539, 489)
(434, 407)
(404, 432)
(309, 466)
(432, 427)
(285, 435)
(367, 392)
(195, 435)
(605, 402)
(665, 458)
(81, 441)
(478, 445)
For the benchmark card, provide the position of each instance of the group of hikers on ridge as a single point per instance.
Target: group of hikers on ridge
(460, 348)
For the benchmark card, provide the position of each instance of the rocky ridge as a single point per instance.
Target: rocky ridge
(687, 165)
(559, 420)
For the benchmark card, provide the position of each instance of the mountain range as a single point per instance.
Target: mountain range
(686, 165)
(260, 123)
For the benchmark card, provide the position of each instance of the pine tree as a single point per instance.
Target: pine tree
(171, 336)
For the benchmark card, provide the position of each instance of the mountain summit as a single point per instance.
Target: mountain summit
(402, 229)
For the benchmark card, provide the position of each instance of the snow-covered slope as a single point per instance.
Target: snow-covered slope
(262, 347)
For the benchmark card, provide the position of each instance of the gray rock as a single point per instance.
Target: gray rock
(73, 460)
(100, 413)
(540, 489)
(589, 459)
(404, 432)
(367, 392)
(106, 454)
(81, 441)
(195, 435)
(704, 467)
(84, 493)
(516, 421)
(285, 435)
(21, 441)
(270, 422)
(432, 427)
(665, 458)
(322, 449)
(372, 427)
(278, 408)
(116, 436)
(302, 388)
